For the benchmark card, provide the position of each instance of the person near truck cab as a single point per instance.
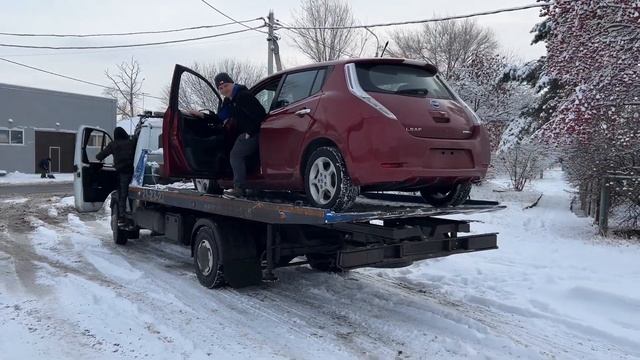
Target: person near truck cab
(247, 112)
(123, 150)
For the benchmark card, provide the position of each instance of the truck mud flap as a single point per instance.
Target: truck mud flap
(410, 251)
(240, 259)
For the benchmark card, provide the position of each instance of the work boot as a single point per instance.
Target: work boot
(122, 222)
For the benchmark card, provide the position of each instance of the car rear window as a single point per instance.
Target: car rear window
(402, 80)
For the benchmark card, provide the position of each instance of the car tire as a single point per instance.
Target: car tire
(207, 186)
(451, 196)
(327, 181)
(207, 257)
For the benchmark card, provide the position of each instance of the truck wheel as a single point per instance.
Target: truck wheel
(327, 182)
(323, 262)
(207, 257)
(120, 236)
(451, 196)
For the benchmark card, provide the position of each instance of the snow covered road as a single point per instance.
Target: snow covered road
(552, 291)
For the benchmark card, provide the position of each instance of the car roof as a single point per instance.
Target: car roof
(383, 60)
(380, 60)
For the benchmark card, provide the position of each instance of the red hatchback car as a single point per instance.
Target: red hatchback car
(335, 129)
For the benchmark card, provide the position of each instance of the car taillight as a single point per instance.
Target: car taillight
(354, 86)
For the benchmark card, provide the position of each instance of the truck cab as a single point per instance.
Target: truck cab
(94, 180)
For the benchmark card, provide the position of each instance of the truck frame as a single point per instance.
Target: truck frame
(246, 239)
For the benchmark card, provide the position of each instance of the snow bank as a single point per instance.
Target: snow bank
(18, 178)
(551, 272)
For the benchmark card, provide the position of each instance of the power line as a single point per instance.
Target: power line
(299, 33)
(456, 17)
(128, 45)
(102, 51)
(131, 33)
(232, 19)
(68, 77)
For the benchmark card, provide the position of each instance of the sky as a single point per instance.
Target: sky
(157, 62)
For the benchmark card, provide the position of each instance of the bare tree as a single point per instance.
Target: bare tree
(449, 45)
(524, 161)
(325, 44)
(126, 87)
(195, 95)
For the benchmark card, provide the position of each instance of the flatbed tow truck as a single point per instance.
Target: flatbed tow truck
(241, 241)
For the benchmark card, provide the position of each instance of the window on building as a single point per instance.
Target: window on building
(4, 136)
(12, 137)
(17, 137)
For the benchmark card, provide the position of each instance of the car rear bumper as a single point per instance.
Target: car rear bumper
(402, 161)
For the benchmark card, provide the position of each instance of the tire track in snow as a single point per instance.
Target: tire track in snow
(549, 342)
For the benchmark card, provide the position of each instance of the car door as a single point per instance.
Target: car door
(183, 135)
(93, 180)
(287, 123)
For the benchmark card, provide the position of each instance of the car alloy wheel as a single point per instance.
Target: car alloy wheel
(327, 181)
(323, 180)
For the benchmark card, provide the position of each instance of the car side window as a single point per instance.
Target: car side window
(296, 87)
(265, 95)
(318, 82)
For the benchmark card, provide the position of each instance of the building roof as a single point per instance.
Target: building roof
(52, 92)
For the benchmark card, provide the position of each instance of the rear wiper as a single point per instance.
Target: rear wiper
(416, 91)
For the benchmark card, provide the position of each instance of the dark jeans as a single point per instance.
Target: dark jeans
(124, 179)
(242, 149)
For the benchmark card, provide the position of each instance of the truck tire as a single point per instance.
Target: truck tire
(207, 255)
(120, 236)
(327, 181)
(452, 196)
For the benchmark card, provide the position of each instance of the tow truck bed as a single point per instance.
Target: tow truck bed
(249, 238)
(382, 206)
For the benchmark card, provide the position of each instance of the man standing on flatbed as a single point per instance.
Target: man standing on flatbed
(240, 106)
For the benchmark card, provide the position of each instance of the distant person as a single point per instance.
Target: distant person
(241, 106)
(123, 150)
(45, 166)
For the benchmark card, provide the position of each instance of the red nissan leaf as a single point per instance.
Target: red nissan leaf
(336, 129)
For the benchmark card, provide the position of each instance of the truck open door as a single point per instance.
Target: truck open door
(93, 180)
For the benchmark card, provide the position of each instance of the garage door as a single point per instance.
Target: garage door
(59, 146)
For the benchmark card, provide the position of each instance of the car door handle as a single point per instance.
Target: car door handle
(303, 112)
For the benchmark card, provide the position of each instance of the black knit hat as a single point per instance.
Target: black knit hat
(223, 78)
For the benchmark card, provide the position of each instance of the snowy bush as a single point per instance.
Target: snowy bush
(523, 162)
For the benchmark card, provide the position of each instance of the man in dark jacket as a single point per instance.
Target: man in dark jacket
(45, 164)
(247, 112)
(123, 150)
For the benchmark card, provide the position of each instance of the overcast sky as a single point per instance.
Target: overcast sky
(78, 16)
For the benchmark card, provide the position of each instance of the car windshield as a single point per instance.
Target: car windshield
(402, 80)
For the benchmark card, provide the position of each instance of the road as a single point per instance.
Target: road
(26, 189)
(552, 291)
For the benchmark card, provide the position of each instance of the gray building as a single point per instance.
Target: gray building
(38, 123)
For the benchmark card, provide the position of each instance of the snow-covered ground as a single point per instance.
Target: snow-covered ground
(18, 178)
(553, 290)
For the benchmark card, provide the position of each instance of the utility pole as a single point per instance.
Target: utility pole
(270, 42)
(273, 49)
